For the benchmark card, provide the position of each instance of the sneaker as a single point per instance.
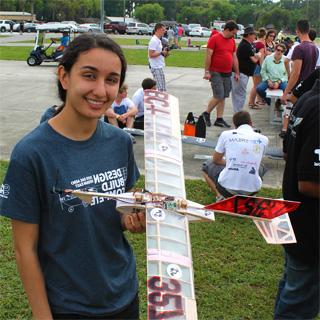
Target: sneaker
(206, 116)
(221, 123)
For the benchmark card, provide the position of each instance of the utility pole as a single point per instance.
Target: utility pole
(124, 10)
(102, 15)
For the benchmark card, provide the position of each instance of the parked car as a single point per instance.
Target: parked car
(151, 27)
(240, 31)
(27, 27)
(5, 25)
(138, 28)
(75, 27)
(200, 32)
(115, 27)
(90, 27)
(193, 25)
(150, 30)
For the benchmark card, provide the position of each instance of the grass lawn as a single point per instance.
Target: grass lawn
(192, 59)
(236, 272)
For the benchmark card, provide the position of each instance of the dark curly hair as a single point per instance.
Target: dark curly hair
(84, 43)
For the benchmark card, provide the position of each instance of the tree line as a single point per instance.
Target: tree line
(282, 14)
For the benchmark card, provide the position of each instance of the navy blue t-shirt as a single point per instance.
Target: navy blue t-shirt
(48, 114)
(303, 164)
(88, 265)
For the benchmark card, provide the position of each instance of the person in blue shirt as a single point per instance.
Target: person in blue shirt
(64, 41)
(73, 257)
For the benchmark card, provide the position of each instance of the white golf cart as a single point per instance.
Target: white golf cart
(40, 53)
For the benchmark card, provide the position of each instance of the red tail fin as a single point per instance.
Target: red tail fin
(254, 206)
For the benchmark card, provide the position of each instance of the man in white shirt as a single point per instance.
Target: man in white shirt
(236, 167)
(157, 55)
(138, 100)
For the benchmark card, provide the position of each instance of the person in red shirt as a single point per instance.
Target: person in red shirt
(180, 35)
(213, 32)
(220, 60)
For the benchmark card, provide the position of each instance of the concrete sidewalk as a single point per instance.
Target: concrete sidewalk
(27, 91)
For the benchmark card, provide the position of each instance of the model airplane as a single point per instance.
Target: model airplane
(169, 262)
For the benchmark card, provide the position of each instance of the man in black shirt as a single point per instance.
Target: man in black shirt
(305, 85)
(298, 294)
(247, 62)
(297, 92)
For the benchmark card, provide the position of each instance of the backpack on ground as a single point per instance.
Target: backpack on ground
(194, 128)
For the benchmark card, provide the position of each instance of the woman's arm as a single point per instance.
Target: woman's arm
(262, 52)
(25, 237)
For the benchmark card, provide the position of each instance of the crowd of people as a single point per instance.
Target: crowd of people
(80, 265)
(237, 155)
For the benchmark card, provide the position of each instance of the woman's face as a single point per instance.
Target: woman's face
(271, 36)
(93, 82)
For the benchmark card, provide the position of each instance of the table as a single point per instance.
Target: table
(275, 116)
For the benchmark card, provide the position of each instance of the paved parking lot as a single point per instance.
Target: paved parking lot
(27, 91)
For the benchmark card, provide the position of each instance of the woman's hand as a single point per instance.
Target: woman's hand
(134, 222)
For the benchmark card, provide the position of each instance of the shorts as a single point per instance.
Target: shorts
(257, 70)
(221, 85)
(159, 77)
(213, 171)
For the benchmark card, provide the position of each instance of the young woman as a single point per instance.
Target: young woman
(73, 258)
(269, 43)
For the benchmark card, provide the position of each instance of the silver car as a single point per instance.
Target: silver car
(138, 28)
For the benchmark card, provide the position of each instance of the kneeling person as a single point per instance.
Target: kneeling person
(236, 167)
(138, 100)
(123, 110)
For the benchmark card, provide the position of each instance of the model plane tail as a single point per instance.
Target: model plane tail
(254, 207)
(269, 215)
(277, 231)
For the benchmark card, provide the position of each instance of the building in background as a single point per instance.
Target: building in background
(17, 16)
